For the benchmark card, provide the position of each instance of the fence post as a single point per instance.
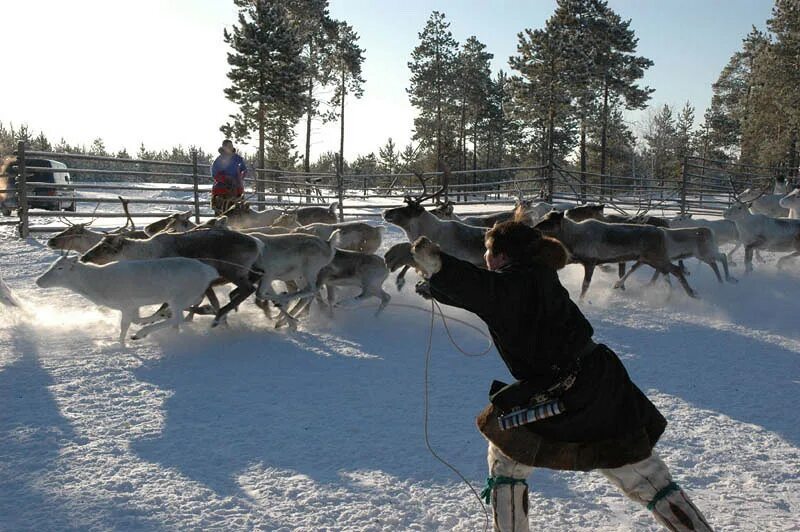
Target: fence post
(550, 184)
(340, 187)
(684, 185)
(196, 188)
(22, 191)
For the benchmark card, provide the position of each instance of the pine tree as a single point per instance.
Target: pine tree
(604, 68)
(266, 76)
(684, 125)
(730, 102)
(346, 60)
(389, 157)
(433, 67)
(98, 148)
(316, 31)
(475, 84)
(660, 136)
(541, 95)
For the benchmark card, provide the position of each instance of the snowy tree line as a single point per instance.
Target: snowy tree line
(563, 100)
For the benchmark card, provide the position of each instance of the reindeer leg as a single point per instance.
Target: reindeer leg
(621, 282)
(748, 258)
(713, 264)
(588, 271)
(243, 290)
(125, 324)
(621, 271)
(676, 271)
(654, 278)
(163, 312)
(724, 260)
(385, 299)
(731, 262)
(400, 280)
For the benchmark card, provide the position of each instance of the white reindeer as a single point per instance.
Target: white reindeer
(766, 204)
(128, 285)
(791, 201)
(757, 231)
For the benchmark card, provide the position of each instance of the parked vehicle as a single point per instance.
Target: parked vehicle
(63, 198)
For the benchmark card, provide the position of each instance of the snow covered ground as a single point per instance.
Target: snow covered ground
(248, 428)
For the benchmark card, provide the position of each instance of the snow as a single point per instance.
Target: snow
(248, 428)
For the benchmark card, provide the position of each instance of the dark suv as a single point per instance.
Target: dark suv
(57, 175)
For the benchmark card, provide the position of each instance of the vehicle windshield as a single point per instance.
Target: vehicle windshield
(38, 176)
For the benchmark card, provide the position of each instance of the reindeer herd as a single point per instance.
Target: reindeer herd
(178, 264)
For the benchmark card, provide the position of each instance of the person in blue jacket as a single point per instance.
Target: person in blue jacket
(228, 171)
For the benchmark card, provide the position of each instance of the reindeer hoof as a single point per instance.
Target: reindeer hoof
(732, 280)
(619, 286)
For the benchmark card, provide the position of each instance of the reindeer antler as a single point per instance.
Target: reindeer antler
(90, 222)
(127, 213)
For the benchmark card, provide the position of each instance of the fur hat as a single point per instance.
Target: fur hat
(227, 142)
(524, 244)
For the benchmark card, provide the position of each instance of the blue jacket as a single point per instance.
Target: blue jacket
(228, 173)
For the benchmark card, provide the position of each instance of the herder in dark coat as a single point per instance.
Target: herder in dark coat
(573, 406)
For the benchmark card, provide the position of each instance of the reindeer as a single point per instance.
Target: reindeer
(81, 238)
(241, 216)
(463, 241)
(592, 242)
(595, 212)
(234, 255)
(524, 210)
(724, 231)
(174, 223)
(758, 231)
(291, 258)
(128, 285)
(791, 201)
(353, 236)
(696, 242)
(317, 215)
(350, 269)
(760, 202)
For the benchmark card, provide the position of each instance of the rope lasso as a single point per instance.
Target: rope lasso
(434, 307)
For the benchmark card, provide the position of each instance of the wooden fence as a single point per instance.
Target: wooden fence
(704, 187)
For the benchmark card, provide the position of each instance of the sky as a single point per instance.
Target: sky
(153, 71)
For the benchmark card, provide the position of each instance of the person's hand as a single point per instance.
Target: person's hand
(426, 256)
(398, 256)
(423, 288)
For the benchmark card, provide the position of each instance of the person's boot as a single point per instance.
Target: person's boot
(509, 498)
(674, 509)
(507, 491)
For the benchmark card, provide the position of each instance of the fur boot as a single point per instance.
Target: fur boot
(649, 483)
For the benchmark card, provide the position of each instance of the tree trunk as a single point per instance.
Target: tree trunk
(307, 160)
(261, 157)
(341, 128)
(583, 158)
(604, 140)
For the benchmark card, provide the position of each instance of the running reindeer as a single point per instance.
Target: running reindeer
(460, 240)
(591, 243)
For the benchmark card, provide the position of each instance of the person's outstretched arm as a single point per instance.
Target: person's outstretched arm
(459, 283)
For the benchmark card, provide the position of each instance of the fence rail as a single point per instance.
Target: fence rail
(704, 187)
